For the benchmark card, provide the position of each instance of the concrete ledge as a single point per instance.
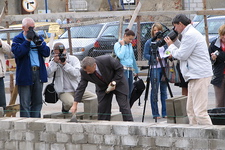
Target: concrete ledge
(35, 133)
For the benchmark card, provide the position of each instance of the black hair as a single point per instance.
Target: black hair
(181, 18)
(129, 32)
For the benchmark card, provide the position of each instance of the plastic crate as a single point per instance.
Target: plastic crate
(217, 115)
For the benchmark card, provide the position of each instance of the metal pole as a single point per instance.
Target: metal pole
(46, 8)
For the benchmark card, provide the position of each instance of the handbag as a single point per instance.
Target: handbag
(138, 89)
(50, 94)
(172, 73)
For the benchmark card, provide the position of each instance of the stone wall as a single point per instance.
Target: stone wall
(50, 134)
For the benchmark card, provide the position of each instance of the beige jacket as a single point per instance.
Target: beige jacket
(5, 49)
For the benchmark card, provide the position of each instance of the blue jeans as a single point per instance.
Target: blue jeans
(2, 93)
(31, 97)
(129, 76)
(155, 77)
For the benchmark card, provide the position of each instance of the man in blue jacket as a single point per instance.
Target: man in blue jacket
(29, 50)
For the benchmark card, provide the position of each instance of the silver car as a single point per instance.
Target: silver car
(213, 26)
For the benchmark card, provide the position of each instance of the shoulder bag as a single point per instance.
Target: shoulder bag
(50, 94)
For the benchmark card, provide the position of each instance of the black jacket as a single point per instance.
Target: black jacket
(218, 64)
(111, 70)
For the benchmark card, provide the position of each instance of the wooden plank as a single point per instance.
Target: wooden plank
(2, 15)
(14, 95)
(11, 110)
(90, 22)
(211, 12)
(120, 28)
(134, 16)
(105, 14)
(98, 14)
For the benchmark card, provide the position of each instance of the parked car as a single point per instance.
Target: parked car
(105, 43)
(40, 27)
(213, 26)
(199, 18)
(99, 39)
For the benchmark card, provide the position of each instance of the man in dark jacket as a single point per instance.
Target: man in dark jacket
(29, 50)
(102, 71)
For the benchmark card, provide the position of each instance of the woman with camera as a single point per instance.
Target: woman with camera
(217, 52)
(150, 53)
(124, 51)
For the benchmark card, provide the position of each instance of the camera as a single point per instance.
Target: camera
(216, 53)
(161, 35)
(32, 35)
(62, 57)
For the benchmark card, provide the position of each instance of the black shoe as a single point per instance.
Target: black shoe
(64, 111)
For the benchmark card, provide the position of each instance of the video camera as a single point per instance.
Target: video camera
(62, 57)
(161, 35)
(32, 35)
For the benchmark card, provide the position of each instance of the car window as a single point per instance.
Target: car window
(3, 36)
(112, 31)
(213, 26)
(42, 33)
(198, 18)
(90, 31)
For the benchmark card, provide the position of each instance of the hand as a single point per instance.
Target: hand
(122, 42)
(30, 34)
(73, 109)
(213, 56)
(56, 58)
(168, 40)
(170, 56)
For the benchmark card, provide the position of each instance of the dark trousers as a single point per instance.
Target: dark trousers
(2, 93)
(105, 105)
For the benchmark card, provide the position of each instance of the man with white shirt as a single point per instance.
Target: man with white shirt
(195, 67)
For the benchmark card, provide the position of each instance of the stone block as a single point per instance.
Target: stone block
(89, 147)
(129, 140)
(41, 146)
(53, 127)
(116, 116)
(63, 138)
(58, 146)
(180, 106)
(32, 136)
(48, 137)
(176, 109)
(27, 145)
(17, 135)
(79, 138)
(1, 112)
(111, 139)
(72, 128)
(90, 107)
(73, 146)
(103, 129)
(120, 129)
(182, 120)
(95, 139)
(36, 126)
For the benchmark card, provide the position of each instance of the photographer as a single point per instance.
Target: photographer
(195, 67)
(5, 49)
(156, 72)
(217, 53)
(67, 77)
(29, 50)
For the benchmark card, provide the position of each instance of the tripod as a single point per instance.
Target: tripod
(153, 62)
